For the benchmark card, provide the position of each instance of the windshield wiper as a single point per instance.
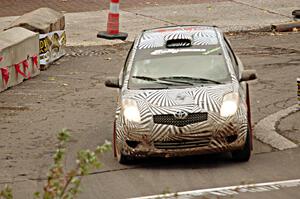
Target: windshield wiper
(145, 78)
(175, 80)
(151, 79)
(162, 80)
(153, 88)
(193, 79)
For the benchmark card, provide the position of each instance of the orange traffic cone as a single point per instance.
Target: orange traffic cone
(113, 23)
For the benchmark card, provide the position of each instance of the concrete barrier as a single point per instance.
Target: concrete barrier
(50, 24)
(42, 20)
(19, 49)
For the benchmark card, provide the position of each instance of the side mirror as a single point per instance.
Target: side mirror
(248, 75)
(112, 83)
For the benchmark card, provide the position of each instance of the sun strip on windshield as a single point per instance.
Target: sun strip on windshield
(174, 51)
(211, 51)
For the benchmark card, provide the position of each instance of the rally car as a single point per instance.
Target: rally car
(182, 91)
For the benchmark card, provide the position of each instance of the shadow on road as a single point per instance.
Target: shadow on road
(188, 162)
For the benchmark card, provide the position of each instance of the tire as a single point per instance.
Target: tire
(296, 13)
(244, 154)
(123, 159)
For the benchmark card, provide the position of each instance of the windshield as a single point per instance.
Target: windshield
(178, 67)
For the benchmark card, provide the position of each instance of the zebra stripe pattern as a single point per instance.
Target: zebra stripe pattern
(163, 102)
(157, 39)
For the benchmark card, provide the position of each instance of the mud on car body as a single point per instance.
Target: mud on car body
(182, 91)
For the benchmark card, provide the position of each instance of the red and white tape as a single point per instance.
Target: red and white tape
(113, 17)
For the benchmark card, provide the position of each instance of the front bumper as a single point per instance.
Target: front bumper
(212, 136)
(151, 151)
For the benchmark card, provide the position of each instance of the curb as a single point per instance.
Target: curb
(265, 130)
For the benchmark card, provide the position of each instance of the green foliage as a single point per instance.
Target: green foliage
(6, 193)
(167, 190)
(63, 184)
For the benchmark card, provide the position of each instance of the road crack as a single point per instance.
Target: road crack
(262, 9)
(151, 17)
(89, 174)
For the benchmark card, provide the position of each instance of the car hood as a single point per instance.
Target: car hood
(208, 98)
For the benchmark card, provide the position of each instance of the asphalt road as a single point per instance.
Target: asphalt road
(71, 94)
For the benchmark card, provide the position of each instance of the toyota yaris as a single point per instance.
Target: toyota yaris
(182, 91)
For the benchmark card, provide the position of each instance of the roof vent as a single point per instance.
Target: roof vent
(178, 43)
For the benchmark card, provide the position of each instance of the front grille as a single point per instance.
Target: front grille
(183, 144)
(169, 119)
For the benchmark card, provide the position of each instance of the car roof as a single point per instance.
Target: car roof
(183, 27)
(198, 35)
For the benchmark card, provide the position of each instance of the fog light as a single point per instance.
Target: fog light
(132, 144)
(231, 138)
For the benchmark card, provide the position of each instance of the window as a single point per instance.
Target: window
(193, 62)
(232, 58)
(123, 72)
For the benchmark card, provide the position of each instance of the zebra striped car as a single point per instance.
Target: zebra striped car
(182, 91)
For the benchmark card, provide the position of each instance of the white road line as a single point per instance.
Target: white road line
(265, 130)
(230, 190)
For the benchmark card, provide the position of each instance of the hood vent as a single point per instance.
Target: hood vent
(178, 43)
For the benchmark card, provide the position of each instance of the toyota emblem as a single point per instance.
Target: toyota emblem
(180, 115)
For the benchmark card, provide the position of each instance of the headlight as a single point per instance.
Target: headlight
(229, 105)
(130, 110)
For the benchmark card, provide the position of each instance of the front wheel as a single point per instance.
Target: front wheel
(123, 159)
(243, 155)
